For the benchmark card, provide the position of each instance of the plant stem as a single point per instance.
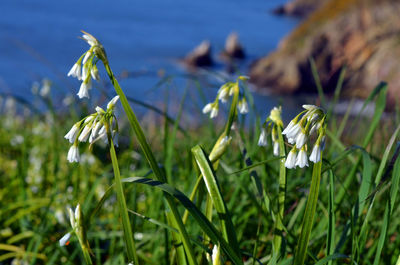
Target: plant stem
(309, 213)
(277, 241)
(123, 210)
(152, 162)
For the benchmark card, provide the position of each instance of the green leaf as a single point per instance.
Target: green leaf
(214, 191)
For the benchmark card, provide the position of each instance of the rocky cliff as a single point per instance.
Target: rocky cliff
(364, 35)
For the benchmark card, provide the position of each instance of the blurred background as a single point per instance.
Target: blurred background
(150, 40)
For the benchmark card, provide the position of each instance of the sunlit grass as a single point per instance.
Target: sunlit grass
(189, 187)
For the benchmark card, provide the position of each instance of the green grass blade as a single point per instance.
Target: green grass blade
(330, 258)
(317, 81)
(330, 238)
(214, 191)
(202, 220)
(308, 218)
(380, 91)
(123, 210)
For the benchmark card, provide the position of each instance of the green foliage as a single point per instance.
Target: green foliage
(342, 211)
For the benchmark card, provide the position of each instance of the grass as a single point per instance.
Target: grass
(185, 191)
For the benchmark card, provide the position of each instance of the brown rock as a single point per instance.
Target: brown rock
(200, 56)
(301, 8)
(233, 48)
(360, 34)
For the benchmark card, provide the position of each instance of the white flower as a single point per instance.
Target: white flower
(64, 240)
(291, 159)
(223, 94)
(292, 130)
(85, 72)
(87, 55)
(94, 132)
(85, 133)
(301, 139)
(207, 108)
(75, 71)
(45, 91)
(243, 107)
(276, 148)
(262, 141)
(289, 127)
(291, 140)
(112, 102)
(214, 112)
(310, 107)
(77, 213)
(316, 154)
(71, 135)
(73, 154)
(94, 72)
(302, 159)
(92, 41)
(84, 89)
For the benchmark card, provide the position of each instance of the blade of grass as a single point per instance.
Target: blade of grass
(202, 220)
(308, 218)
(214, 191)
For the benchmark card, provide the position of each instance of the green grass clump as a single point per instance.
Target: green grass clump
(190, 187)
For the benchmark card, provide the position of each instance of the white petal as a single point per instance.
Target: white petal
(207, 108)
(262, 141)
(83, 91)
(315, 154)
(87, 55)
(64, 239)
(73, 154)
(291, 159)
(85, 133)
(71, 135)
(214, 112)
(276, 148)
(112, 102)
(301, 140)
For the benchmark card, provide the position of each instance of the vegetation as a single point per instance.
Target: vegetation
(197, 194)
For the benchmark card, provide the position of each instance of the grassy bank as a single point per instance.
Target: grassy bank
(244, 201)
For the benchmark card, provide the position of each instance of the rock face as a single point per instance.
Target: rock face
(200, 56)
(299, 7)
(233, 48)
(363, 35)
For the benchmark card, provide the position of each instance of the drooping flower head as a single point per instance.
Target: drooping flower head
(300, 131)
(97, 126)
(85, 68)
(226, 91)
(273, 124)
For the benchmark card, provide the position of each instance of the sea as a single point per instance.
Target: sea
(145, 43)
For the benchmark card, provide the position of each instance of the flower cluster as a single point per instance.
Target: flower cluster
(75, 218)
(273, 122)
(85, 68)
(224, 93)
(97, 126)
(298, 132)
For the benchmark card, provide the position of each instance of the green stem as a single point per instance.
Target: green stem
(277, 241)
(123, 210)
(309, 213)
(86, 255)
(152, 162)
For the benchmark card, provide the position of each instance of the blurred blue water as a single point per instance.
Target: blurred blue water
(39, 38)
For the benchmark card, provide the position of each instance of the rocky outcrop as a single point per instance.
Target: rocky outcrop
(233, 47)
(200, 56)
(363, 35)
(299, 8)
